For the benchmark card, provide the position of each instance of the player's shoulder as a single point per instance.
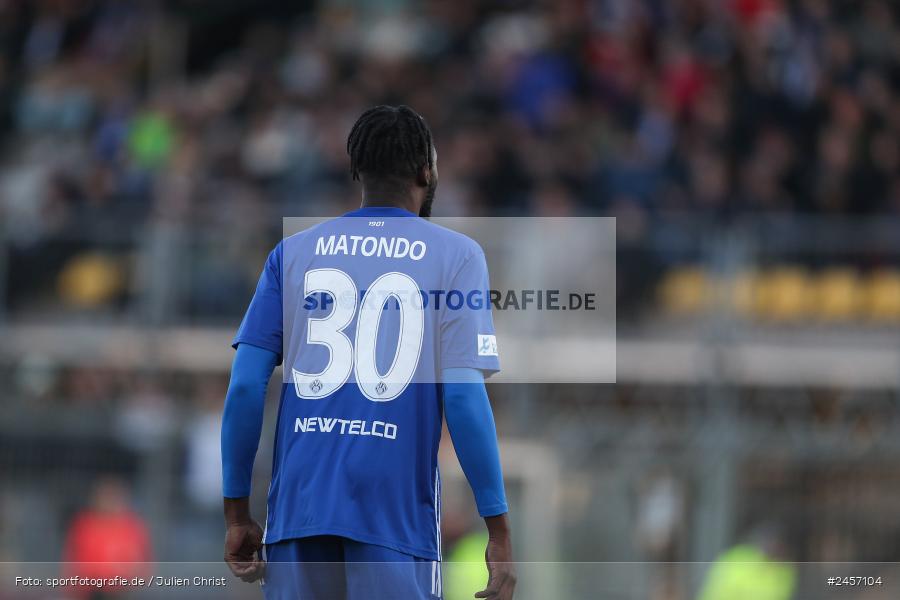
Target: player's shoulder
(297, 239)
(450, 239)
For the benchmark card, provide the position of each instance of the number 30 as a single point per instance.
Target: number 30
(329, 331)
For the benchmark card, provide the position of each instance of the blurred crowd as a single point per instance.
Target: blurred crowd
(223, 117)
(118, 111)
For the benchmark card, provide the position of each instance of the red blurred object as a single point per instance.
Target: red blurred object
(107, 540)
(683, 82)
(750, 11)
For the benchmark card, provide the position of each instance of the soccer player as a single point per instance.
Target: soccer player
(363, 310)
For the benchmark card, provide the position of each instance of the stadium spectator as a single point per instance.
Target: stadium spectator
(755, 569)
(106, 540)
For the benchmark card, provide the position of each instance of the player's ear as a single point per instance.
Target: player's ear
(423, 176)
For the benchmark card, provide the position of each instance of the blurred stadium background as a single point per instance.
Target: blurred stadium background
(748, 148)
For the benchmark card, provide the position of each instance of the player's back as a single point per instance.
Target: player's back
(376, 303)
(382, 277)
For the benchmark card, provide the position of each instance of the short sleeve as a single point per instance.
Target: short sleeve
(263, 322)
(468, 339)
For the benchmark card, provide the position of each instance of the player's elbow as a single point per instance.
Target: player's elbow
(241, 387)
(468, 410)
(244, 398)
(462, 417)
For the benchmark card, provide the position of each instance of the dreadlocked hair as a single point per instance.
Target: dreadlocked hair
(389, 141)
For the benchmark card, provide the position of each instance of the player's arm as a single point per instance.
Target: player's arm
(471, 424)
(241, 428)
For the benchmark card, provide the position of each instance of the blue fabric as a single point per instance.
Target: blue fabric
(243, 416)
(349, 460)
(262, 324)
(329, 567)
(471, 424)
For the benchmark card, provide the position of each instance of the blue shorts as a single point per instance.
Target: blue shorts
(329, 567)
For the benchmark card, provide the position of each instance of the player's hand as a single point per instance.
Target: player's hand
(243, 542)
(501, 569)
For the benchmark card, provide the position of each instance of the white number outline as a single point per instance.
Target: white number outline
(302, 378)
(403, 317)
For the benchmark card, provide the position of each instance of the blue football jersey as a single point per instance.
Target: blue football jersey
(366, 310)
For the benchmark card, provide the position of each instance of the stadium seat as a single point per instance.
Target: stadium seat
(784, 293)
(685, 290)
(90, 280)
(839, 295)
(881, 296)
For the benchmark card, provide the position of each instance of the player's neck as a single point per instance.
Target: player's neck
(374, 199)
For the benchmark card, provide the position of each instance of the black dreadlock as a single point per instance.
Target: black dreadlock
(389, 141)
